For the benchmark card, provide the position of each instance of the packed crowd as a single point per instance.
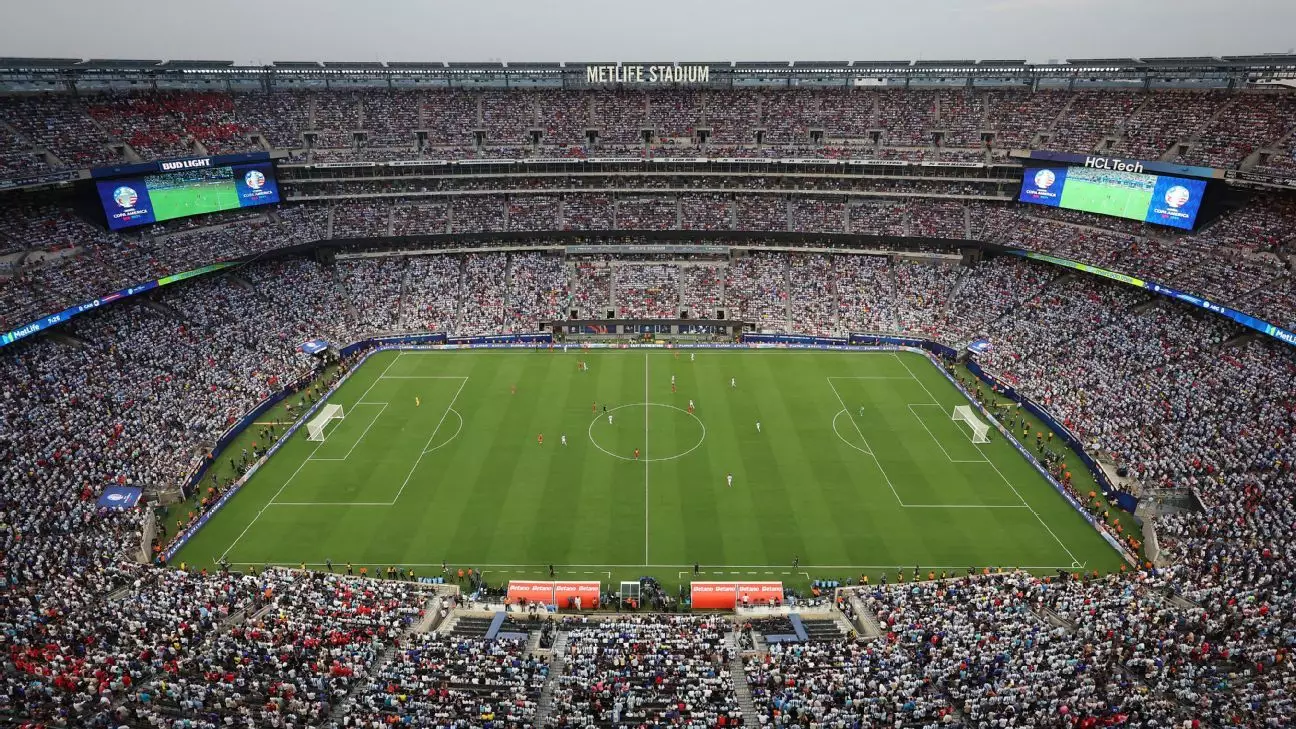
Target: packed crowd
(647, 669)
(1211, 127)
(1153, 384)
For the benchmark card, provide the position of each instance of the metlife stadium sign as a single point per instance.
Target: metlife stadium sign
(663, 74)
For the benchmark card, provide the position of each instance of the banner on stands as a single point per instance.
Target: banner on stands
(119, 497)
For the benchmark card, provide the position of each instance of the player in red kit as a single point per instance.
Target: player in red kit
(540, 439)
(636, 454)
(593, 407)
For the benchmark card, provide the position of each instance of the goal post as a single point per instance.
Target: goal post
(315, 427)
(980, 429)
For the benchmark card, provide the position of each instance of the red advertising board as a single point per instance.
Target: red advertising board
(729, 595)
(566, 592)
(760, 593)
(555, 593)
(519, 590)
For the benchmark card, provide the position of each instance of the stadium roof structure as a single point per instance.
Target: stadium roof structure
(1221, 72)
(1122, 62)
(197, 64)
(18, 62)
(1182, 61)
(1278, 59)
(415, 64)
(122, 63)
(929, 64)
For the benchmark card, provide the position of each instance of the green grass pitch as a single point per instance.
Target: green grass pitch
(209, 197)
(857, 468)
(1122, 202)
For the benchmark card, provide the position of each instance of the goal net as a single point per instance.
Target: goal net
(980, 430)
(315, 427)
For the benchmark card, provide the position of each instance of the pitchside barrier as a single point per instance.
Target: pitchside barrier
(855, 342)
(730, 595)
(562, 595)
(1124, 500)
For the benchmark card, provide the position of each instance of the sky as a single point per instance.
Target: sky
(645, 30)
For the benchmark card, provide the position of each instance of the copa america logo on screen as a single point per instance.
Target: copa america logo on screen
(254, 179)
(125, 197)
(1045, 179)
(1177, 196)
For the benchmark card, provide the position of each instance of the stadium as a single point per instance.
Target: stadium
(849, 394)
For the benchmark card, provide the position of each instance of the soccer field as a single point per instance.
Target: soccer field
(207, 197)
(856, 468)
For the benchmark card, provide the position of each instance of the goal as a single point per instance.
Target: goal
(980, 430)
(315, 427)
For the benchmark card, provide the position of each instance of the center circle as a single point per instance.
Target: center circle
(602, 418)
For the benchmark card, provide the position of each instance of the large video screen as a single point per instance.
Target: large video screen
(131, 201)
(1158, 199)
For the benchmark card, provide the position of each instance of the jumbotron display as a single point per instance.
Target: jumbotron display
(1159, 199)
(140, 200)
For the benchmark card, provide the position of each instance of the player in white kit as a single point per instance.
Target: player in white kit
(729, 478)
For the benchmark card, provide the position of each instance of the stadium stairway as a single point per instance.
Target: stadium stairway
(557, 667)
(739, 677)
(866, 620)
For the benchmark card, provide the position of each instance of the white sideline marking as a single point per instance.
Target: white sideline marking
(332, 503)
(865, 441)
(380, 376)
(869, 377)
(912, 405)
(645, 456)
(843, 438)
(993, 465)
(424, 451)
(497, 567)
(302, 465)
(358, 440)
(421, 377)
(456, 433)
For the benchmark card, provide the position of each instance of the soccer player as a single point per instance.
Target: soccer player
(861, 411)
(417, 401)
(540, 439)
(513, 389)
(690, 406)
(757, 426)
(672, 380)
(729, 479)
(563, 439)
(692, 356)
(732, 383)
(609, 418)
(593, 407)
(636, 454)
(672, 388)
